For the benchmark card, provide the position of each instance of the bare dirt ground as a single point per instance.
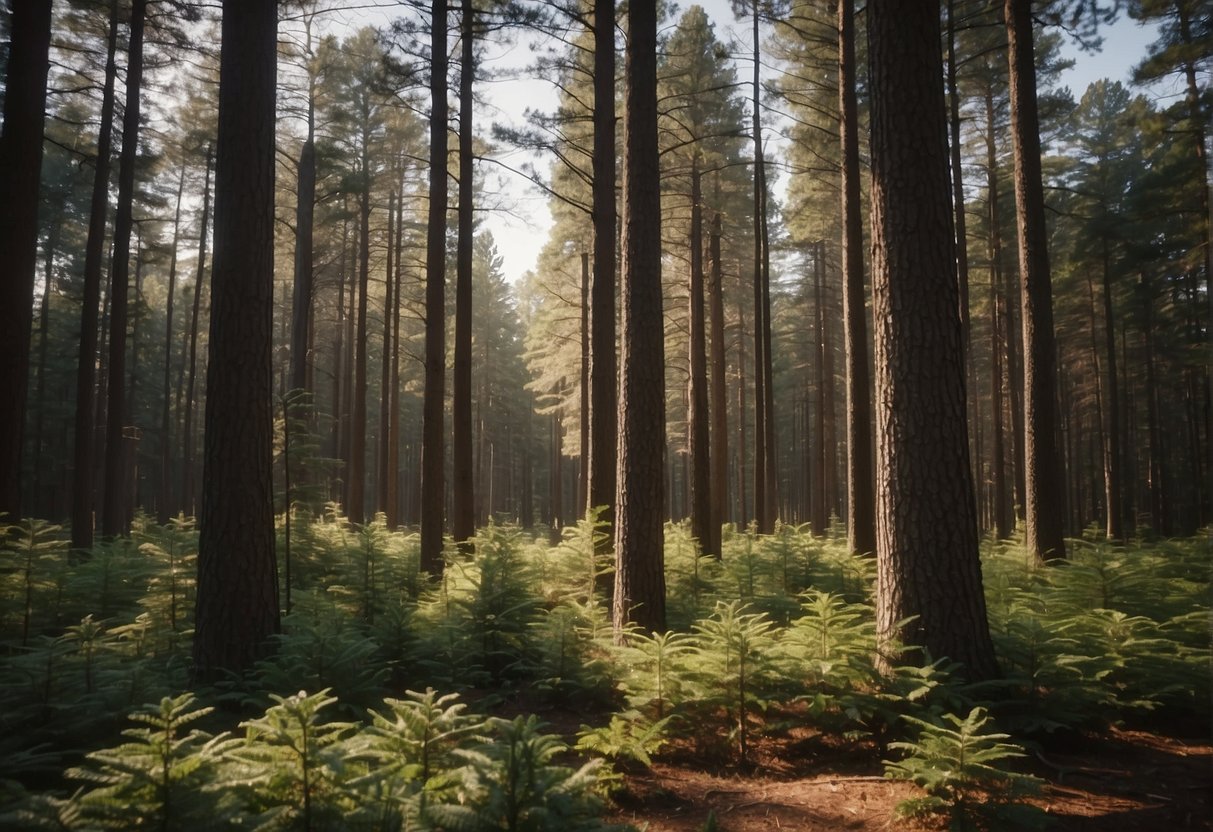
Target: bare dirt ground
(1124, 779)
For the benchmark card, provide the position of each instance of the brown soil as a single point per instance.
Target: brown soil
(1121, 780)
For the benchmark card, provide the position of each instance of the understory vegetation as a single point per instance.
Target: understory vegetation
(383, 703)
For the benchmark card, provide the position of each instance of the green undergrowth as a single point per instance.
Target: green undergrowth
(774, 639)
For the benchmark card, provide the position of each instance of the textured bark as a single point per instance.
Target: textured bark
(237, 596)
(463, 504)
(861, 497)
(927, 561)
(86, 358)
(187, 430)
(719, 410)
(20, 168)
(639, 562)
(433, 485)
(1043, 500)
(603, 362)
(705, 525)
(113, 511)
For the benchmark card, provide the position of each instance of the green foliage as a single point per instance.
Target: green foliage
(957, 767)
(731, 669)
(291, 766)
(163, 778)
(511, 783)
(630, 738)
(322, 647)
(476, 624)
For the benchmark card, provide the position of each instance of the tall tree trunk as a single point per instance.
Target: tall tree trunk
(639, 563)
(20, 169)
(861, 497)
(1112, 455)
(830, 428)
(86, 360)
(187, 430)
(761, 498)
(743, 520)
(705, 524)
(556, 480)
(164, 501)
(820, 513)
(393, 459)
(237, 596)
(1155, 469)
(928, 570)
(463, 507)
(1003, 524)
(719, 410)
(1043, 509)
(35, 505)
(340, 345)
(113, 512)
(603, 363)
(383, 470)
(433, 486)
(305, 209)
(583, 392)
(355, 510)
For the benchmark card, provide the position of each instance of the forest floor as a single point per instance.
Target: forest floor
(1123, 779)
(1144, 777)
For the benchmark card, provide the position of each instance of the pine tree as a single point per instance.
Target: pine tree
(639, 563)
(237, 595)
(927, 563)
(1043, 505)
(20, 166)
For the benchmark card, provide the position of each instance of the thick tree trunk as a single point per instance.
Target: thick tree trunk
(237, 595)
(20, 169)
(639, 562)
(705, 524)
(433, 485)
(113, 512)
(861, 498)
(86, 358)
(1043, 508)
(463, 507)
(603, 363)
(719, 410)
(927, 561)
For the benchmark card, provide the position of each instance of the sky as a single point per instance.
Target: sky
(521, 222)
